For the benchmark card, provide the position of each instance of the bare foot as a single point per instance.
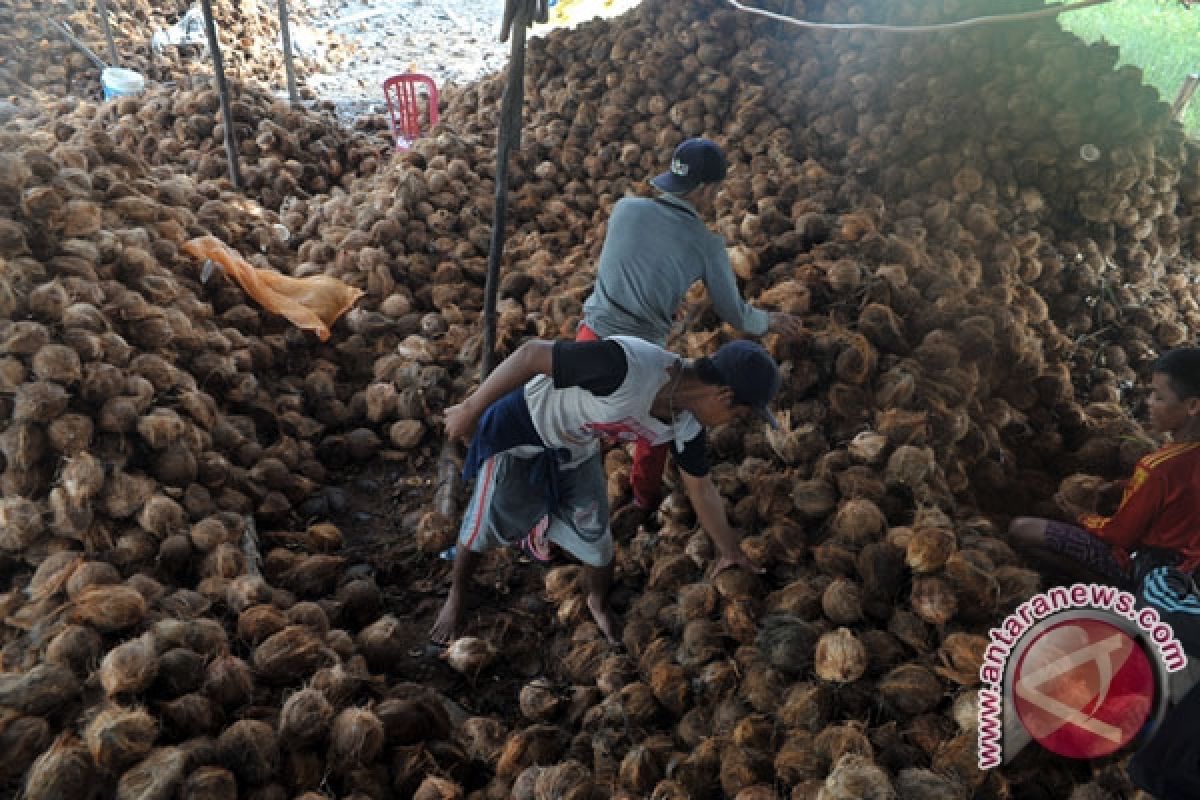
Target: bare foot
(604, 618)
(445, 627)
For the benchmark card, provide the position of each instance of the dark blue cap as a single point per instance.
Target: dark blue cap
(750, 371)
(695, 161)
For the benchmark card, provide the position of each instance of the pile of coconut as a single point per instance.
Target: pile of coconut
(41, 59)
(986, 263)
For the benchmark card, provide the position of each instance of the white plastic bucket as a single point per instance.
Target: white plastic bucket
(118, 82)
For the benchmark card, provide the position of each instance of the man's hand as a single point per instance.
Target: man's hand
(789, 326)
(460, 421)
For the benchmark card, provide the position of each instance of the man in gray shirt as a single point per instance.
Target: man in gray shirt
(655, 249)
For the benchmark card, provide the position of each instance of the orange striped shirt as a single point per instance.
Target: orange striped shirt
(1160, 506)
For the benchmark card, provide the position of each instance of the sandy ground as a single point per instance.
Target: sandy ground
(453, 41)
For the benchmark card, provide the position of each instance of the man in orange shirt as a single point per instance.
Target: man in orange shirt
(1160, 508)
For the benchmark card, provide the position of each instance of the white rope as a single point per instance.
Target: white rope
(940, 26)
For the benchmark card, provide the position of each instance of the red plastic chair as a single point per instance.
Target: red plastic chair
(403, 101)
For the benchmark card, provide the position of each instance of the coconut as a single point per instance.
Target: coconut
(840, 657)
(57, 364)
(130, 667)
(742, 767)
(916, 783)
(305, 719)
(338, 684)
(248, 748)
(435, 532)
(537, 744)
(470, 655)
(156, 777)
(315, 576)
(323, 537)
(228, 682)
(259, 622)
(304, 769)
(568, 781)
(245, 591)
(855, 777)
(416, 714)
(928, 549)
(21, 523)
(39, 691)
(842, 602)
(910, 689)
(290, 655)
(175, 555)
(356, 737)
(65, 770)
(162, 516)
(858, 521)
(360, 602)
(119, 736)
(180, 670)
(539, 701)
(209, 783)
(640, 770)
(124, 494)
(204, 635)
(21, 740)
(933, 600)
(910, 466)
(39, 401)
(70, 434)
(961, 655)
(188, 715)
(787, 642)
(482, 737)
(382, 643)
(82, 476)
(75, 647)
(91, 573)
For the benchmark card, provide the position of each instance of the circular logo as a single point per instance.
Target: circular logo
(1083, 688)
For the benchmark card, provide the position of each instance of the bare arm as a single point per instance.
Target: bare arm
(534, 357)
(710, 510)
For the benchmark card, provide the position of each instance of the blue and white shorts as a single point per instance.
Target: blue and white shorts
(505, 505)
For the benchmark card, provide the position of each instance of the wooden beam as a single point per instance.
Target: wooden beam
(214, 47)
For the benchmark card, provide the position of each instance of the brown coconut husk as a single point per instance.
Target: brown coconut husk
(910, 689)
(840, 657)
(360, 602)
(842, 602)
(305, 719)
(838, 740)
(382, 643)
(482, 737)
(189, 715)
(435, 788)
(929, 548)
(339, 684)
(71, 434)
(470, 655)
(249, 749)
(91, 573)
(569, 781)
(356, 738)
(41, 690)
(75, 647)
(65, 770)
(257, 623)
(858, 521)
(39, 402)
(539, 701)
(305, 769)
(290, 655)
(311, 616)
(961, 656)
(162, 516)
(21, 523)
(117, 737)
(157, 777)
(787, 642)
(244, 591)
(180, 670)
(209, 783)
(130, 667)
(671, 687)
(916, 783)
(742, 767)
(855, 777)
(537, 744)
(22, 739)
(807, 706)
(933, 600)
(315, 576)
(204, 635)
(229, 682)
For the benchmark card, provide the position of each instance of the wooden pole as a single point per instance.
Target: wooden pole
(214, 47)
(102, 9)
(286, 35)
(509, 138)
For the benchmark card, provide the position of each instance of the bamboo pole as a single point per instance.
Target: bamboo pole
(214, 46)
(286, 35)
(508, 139)
(1186, 92)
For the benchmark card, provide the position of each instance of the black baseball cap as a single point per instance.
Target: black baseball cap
(695, 161)
(750, 371)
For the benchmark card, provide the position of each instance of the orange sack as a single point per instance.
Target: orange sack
(312, 303)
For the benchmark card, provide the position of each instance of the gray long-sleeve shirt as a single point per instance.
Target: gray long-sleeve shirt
(653, 252)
